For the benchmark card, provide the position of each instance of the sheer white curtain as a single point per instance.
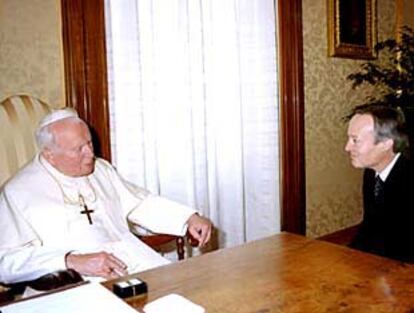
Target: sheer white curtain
(194, 107)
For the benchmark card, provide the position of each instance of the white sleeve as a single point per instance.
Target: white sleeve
(151, 212)
(21, 255)
(29, 262)
(161, 215)
(130, 196)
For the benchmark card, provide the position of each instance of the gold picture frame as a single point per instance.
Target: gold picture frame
(352, 28)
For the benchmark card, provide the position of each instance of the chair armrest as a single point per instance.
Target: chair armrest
(6, 294)
(47, 282)
(155, 240)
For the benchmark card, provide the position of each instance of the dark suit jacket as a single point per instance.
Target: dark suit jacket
(388, 227)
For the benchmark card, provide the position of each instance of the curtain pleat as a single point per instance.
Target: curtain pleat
(194, 107)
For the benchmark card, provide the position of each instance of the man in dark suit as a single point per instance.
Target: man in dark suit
(376, 142)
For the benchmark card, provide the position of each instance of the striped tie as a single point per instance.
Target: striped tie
(378, 188)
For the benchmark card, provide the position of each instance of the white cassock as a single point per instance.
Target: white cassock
(40, 220)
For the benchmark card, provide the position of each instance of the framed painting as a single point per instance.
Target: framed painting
(352, 30)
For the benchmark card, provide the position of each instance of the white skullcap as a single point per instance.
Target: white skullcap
(57, 115)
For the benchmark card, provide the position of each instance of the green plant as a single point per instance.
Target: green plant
(392, 74)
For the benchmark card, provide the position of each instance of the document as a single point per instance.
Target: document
(173, 303)
(87, 298)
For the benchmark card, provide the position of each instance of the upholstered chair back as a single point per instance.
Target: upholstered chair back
(19, 116)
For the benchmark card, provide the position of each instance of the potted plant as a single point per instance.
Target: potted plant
(391, 76)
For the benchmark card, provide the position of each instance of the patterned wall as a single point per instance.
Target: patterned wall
(408, 13)
(332, 185)
(31, 49)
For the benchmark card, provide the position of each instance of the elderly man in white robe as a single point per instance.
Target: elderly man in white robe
(67, 209)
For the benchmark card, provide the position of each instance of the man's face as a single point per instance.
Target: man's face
(73, 154)
(361, 146)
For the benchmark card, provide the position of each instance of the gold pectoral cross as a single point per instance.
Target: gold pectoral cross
(85, 209)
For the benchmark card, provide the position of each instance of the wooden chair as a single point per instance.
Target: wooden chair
(155, 241)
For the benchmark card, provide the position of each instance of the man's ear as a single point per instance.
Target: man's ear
(388, 144)
(48, 154)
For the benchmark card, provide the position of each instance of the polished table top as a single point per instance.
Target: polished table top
(285, 273)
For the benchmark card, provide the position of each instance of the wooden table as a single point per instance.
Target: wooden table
(285, 273)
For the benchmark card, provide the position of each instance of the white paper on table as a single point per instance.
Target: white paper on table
(173, 303)
(87, 298)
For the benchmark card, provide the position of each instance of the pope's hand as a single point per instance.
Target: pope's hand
(200, 228)
(96, 264)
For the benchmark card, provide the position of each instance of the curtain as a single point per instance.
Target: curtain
(194, 107)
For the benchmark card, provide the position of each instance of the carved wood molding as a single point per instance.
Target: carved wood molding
(293, 192)
(83, 27)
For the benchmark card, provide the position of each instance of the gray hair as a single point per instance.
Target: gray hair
(389, 123)
(45, 137)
